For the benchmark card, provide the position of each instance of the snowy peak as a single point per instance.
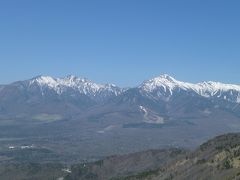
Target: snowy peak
(43, 80)
(164, 81)
(74, 79)
(80, 85)
(210, 85)
(166, 77)
(165, 85)
(48, 80)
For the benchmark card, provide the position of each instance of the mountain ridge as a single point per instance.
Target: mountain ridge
(75, 95)
(164, 83)
(205, 89)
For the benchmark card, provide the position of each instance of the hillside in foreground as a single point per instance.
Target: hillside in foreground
(218, 158)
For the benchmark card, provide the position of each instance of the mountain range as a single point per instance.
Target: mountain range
(104, 119)
(73, 93)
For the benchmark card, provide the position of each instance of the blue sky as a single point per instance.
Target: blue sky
(120, 41)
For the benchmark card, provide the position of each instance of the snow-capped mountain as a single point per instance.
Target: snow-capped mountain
(162, 87)
(44, 94)
(165, 86)
(72, 83)
(160, 96)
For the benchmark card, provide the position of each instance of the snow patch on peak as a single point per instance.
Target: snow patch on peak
(166, 82)
(166, 77)
(44, 80)
(72, 78)
(211, 85)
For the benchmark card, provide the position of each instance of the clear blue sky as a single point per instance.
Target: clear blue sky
(120, 41)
